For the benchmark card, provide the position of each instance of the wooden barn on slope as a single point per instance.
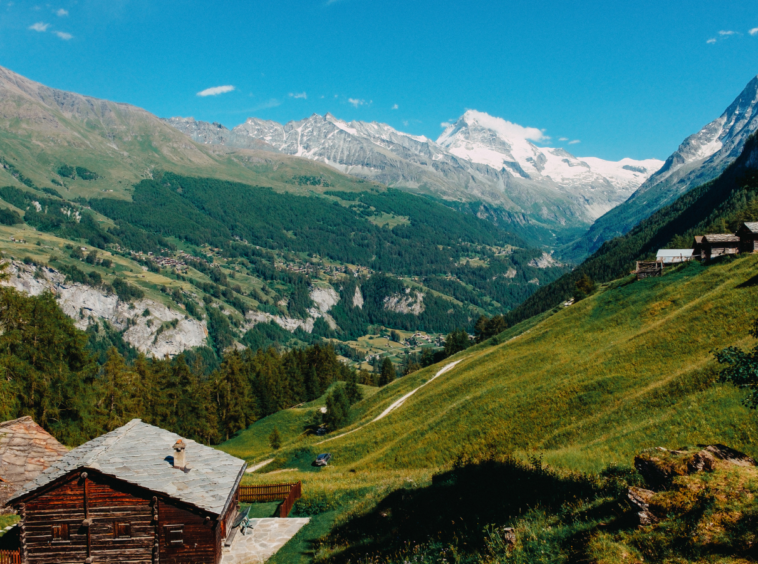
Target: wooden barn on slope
(26, 449)
(136, 495)
(717, 244)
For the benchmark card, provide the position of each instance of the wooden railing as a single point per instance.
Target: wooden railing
(10, 557)
(294, 495)
(289, 493)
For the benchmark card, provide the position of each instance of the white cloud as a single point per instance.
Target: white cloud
(445, 124)
(299, 96)
(355, 102)
(63, 35)
(711, 41)
(60, 13)
(272, 103)
(563, 139)
(395, 107)
(216, 90)
(39, 26)
(574, 142)
(504, 128)
(727, 32)
(753, 31)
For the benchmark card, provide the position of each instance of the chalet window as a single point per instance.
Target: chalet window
(174, 535)
(60, 533)
(122, 530)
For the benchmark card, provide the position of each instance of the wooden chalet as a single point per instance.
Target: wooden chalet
(26, 450)
(719, 244)
(138, 494)
(748, 235)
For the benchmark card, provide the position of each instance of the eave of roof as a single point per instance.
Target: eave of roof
(137, 454)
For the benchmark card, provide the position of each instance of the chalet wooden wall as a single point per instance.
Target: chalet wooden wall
(62, 506)
(123, 527)
(199, 536)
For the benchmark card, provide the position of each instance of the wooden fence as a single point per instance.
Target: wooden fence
(288, 493)
(10, 557)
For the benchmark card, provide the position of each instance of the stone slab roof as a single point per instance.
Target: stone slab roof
(721, 238)
(26, 449)
(142, 454)
(751, 226)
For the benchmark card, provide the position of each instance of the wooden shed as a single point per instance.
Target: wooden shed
(718, 244)
(748, 234)
(26, 449)
(138, 494)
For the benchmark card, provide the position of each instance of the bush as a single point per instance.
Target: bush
(9, 217)
(66, 171)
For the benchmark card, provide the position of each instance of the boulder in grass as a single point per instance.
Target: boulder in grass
(659, 466)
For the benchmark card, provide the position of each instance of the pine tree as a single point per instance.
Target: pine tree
(231, 392)
(354, 393)
(388, 373)
(120, 400)
(275, 439)
(337, 408)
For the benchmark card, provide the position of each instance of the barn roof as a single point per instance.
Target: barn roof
(665, 253)
(751, 226)
(721, 238)
(141, 454)
(26, 449)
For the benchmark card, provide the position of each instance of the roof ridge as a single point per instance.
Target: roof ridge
(124, 430)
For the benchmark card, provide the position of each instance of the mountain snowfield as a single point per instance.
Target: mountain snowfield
(701, 157)
(542, 192)
(500, 144)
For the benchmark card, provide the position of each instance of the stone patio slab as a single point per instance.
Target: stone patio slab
(263, 541)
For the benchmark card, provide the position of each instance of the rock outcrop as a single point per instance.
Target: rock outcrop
(410, 302)
(147, 325)
(323, 298)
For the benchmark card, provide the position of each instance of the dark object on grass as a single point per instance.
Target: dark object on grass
(322, 459)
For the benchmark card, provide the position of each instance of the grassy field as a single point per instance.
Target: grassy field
(581, 389)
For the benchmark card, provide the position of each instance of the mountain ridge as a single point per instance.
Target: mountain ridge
(558, 203)
(701, 157)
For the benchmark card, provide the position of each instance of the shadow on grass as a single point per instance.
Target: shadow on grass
(460, 503)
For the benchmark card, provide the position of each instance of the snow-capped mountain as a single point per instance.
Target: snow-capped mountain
(701, 157)
(542, 191)
(502, 145)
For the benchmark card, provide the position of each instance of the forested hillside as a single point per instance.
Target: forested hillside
(260, 267)
(718, 206)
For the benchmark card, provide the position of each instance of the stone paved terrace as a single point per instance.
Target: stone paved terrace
(263, 541)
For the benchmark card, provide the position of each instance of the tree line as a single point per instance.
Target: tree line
(48, 371)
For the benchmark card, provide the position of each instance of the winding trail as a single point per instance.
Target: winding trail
(396, 404)
(259, 465)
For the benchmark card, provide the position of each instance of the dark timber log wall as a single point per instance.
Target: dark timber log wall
(102, 519)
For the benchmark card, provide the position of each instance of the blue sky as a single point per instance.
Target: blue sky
(622, 78)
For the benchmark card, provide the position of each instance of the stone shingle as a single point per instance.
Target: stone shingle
(141, 454)
(26, 449)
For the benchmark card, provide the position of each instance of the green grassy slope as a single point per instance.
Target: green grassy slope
(582, 388)
(629, 368)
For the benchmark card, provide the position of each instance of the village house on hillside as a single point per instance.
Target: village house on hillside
(26, 449)
(718, 244)
(138, 494)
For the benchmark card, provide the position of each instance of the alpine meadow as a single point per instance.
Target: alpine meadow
(326, 321)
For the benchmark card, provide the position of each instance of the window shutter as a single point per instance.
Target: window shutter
(122, 530)
(60, 533)
(174, 535)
